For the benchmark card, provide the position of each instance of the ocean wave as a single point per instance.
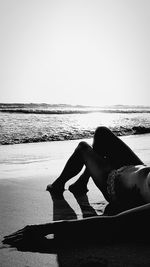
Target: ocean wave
(71, 111)
(34, 108)
(69, 135)
(41, 123)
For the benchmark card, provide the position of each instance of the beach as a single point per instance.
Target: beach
(69, 71)
(25, 171)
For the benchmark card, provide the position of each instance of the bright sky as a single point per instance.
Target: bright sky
(93, 52)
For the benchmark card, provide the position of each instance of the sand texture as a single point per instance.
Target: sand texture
(25, 171)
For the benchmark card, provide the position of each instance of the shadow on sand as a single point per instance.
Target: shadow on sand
(77, 250)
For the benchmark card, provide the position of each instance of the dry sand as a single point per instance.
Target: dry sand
(25, 170)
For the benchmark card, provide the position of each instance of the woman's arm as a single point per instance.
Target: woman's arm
(125, 222)
(140, 210)
(135, 222)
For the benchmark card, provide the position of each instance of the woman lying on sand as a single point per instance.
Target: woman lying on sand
(120, 175)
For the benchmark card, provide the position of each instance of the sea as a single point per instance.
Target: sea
(29, 123)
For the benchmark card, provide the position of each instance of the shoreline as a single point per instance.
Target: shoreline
(122, 132)
(33, 160)
(25, 170)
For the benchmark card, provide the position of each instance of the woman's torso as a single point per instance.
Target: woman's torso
(136, 176)
(129, 186)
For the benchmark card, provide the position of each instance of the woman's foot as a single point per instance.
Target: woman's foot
(56, 189)
(78, 189)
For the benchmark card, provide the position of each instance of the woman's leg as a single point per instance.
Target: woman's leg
(108, 146)
(79, 187)
(97, 167)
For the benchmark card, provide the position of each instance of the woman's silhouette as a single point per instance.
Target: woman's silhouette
(119, 174)
(124, 181)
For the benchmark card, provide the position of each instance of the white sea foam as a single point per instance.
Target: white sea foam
(27, 124)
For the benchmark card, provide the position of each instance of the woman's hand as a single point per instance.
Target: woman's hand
(28, 233)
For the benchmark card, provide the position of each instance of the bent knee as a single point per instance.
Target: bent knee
(83, 145)
(102, 130)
